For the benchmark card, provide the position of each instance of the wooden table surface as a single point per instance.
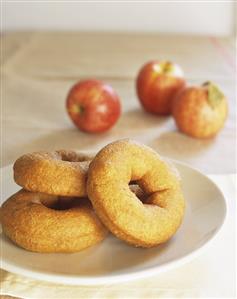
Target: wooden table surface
(39, 68)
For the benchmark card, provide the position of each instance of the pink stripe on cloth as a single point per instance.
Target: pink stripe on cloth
(225, 54)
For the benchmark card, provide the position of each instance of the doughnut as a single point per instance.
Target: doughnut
(60, 172)
(144, 223)
(39, 223)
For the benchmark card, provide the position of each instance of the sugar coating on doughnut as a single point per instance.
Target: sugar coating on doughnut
(60, 172)
(142, 224)
(29, 223)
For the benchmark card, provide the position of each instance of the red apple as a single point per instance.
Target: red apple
(93, 106)
(157, 84)
(200, 111)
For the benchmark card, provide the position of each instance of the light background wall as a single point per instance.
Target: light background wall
(195, 17)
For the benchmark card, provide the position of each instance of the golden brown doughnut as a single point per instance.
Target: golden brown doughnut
(32, 221)
(60, 172)
(147, 224)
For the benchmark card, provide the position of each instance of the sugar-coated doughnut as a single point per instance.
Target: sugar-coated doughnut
(60, 172)
(144, 224)
(37, 222)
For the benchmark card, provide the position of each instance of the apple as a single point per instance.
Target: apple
(93, 106)
(157, 83)
(200, 111)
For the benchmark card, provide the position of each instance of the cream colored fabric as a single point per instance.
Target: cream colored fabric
(37, 71)
(39, 68)
(211, 275)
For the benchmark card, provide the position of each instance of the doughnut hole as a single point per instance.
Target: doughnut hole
(61, 203)
(140, 194)
(71, 156)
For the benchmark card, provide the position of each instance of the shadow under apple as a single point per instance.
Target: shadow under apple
(137, 119)
(179, 146)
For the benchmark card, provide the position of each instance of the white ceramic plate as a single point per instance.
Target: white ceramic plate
(113, 261)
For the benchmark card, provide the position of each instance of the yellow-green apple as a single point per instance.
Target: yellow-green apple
(157, 83)
(200, 111)
(93, 106)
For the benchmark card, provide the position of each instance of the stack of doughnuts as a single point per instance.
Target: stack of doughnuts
(69, 201)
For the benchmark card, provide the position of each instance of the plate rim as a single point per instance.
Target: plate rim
(123, 277)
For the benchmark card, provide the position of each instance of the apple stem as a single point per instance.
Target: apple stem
(81, 109)
(167, 67)
(77, 109)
